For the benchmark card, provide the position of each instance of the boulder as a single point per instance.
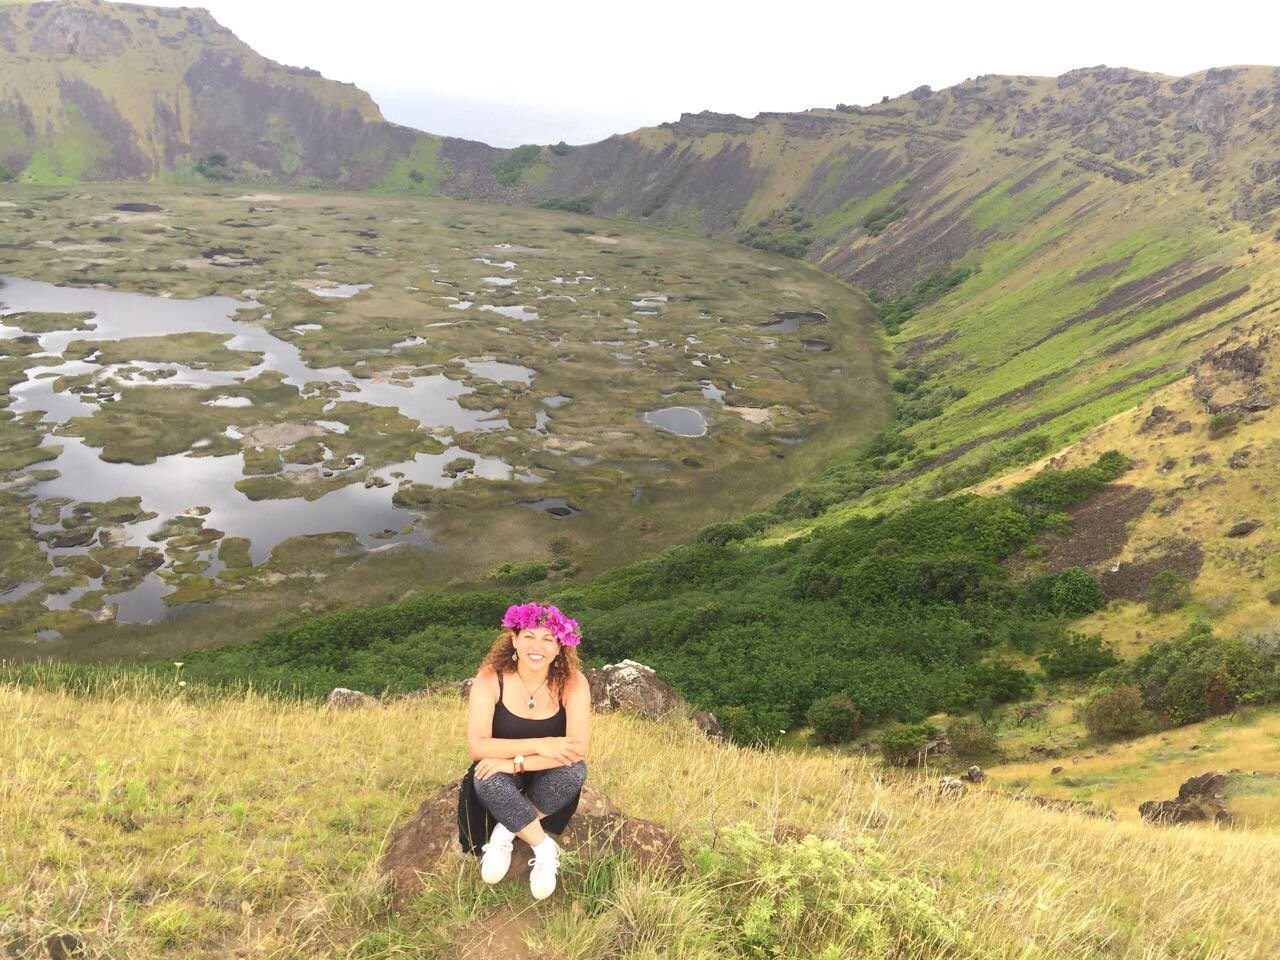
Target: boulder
(632, 687)
(1202, 798)
(950, 787)
(1244, 528)
(597, 828)
(707, 724)
(975, 774)
(340, 698)
(937, 747)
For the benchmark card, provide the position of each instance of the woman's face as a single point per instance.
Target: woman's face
(537, 647)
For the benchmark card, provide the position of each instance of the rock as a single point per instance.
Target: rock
(340, 698)
(950, 787)
(707, 724)
(1055, 771)
(975, 774)
(1240, 459)
(633, 687)
(597, 828)
(940, 746)
(1199, 799)
(1066, 806)
(63, 946)
(1154, 419)
(1227, 377)
(1244, 528)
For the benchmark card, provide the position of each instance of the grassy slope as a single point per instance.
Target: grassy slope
(1197, 495)
(148, 818)
(137, 59)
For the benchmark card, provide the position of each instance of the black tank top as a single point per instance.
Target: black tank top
(507, 726)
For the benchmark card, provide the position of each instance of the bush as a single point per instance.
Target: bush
(1169, 590)
(521, 574)
(1069, 594)
(214, 167)
(816, 898)
(834, 719)
(743, 727)
(901, 744)
(5, 173)
(719, 534)
(507, 170)
(998, 683)
(1222, 424)
(1114, 712)
(970, 737)
(1198, 675)
(1077, 656)
(583, 204)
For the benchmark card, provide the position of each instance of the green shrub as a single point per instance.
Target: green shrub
(834, 719)
(1223, 423)
(508, 168)
(719, 534)
(901, 744)
(816, 898)
(1169, 591)
(879, 219)
(1114, 712)
(970, 737)
(893, 313)
(214, 167)
(1199, 674)
(520, 574)
(6, 174)
(583, 204)
(1077, 656)
(1068, 594)
(997, 682)
(745, 727)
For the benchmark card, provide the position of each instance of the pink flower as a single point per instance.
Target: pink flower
(527, 615)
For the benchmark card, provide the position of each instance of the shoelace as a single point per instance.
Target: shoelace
(554, 860)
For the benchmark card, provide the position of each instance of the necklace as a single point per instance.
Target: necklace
(532, 703)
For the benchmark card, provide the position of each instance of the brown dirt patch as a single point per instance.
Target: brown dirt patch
(499, 936)
(1101, 528)
(1132, 580)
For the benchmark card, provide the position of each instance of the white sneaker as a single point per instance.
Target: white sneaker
(542, 878)
(497, 858)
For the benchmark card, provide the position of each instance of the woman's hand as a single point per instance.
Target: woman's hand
(564, 750)
(487, 767)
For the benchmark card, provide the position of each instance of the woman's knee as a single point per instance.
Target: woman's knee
(577, 771)
(497, 785)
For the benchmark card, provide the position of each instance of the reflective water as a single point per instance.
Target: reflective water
(684, 421)
(174, 484)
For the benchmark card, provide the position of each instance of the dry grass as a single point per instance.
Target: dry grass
(146, 819)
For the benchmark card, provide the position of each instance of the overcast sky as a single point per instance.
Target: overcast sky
(538, 72)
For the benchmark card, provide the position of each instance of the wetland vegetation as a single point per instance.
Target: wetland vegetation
(212, 397)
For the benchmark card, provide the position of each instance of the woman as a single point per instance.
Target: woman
(528, 729)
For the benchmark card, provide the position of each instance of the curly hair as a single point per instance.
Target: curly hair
(562, 668)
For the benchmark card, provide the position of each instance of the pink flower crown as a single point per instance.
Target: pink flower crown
(524, 616)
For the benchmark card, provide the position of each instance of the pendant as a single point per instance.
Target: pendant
(531, 704)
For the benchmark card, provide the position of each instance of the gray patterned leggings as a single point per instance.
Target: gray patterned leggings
(548, 791)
